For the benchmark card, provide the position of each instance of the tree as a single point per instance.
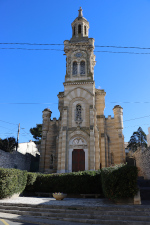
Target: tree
(8, 144)
(138, 139)
(37, 133)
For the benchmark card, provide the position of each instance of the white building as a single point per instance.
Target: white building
(148, 137)
(28, 147)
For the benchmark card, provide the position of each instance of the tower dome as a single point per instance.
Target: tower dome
(80, 26)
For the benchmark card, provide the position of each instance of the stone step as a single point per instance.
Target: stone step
(91, 218)
(109, 222)
(72, 221)
(39, 211)
(139, 208)
(36, 220)
(110, 215)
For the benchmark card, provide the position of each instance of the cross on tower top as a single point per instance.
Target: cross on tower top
(80, 12)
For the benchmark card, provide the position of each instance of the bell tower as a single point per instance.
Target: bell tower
(80, 59)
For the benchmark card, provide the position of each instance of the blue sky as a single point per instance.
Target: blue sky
(36, 76)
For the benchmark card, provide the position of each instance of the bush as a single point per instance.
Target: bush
(85, 182)
(119, 181)
(12, 181)
(31, 178)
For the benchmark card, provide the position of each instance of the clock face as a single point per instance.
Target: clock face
(78, 54)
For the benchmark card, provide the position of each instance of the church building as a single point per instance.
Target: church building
(82, 138)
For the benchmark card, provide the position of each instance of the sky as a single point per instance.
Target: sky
(31, 79)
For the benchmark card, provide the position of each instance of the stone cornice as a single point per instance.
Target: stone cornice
(77, 82)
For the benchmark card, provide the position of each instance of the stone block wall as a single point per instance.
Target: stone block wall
(142, 158)
(15, 160)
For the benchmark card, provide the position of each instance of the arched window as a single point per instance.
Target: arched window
(82, 67)
(74, 29)
(79, 29)
(74, 68)
(78, 113)
(84, 30)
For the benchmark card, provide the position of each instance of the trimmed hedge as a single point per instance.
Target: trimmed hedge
(119, 181)
(12, 181)
(85, 182)
(115, 182)
(31, 178)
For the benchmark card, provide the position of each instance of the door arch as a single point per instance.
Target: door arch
(78, 155)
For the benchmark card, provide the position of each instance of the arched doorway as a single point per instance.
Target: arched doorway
(78, 160)
(78, 155)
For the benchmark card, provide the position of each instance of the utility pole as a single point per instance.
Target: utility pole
(18, 136)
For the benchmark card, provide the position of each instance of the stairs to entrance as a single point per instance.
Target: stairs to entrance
(71, 215)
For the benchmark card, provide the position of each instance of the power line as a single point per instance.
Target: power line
(137, 118)
(8, 122)
(55, 103)
(7, 128)
(32, 49)
(47, 49)
(28, 44)
(114, 46)
(100, 46)
(136, 53)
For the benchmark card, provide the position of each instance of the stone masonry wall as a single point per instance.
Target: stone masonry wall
(142, 158)
(15, 160)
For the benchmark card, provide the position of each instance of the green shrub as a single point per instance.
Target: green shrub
(12, 181)
(119, 181)
(85, 182)
(31, 178)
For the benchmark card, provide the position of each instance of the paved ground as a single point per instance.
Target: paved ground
(8, 222)
(66, 202)
(52, 201)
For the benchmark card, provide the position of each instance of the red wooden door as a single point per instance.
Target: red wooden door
(78, 160)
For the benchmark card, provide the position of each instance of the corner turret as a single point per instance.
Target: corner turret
(46, 118)
(118, 116)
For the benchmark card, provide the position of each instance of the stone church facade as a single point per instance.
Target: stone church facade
(82, 138)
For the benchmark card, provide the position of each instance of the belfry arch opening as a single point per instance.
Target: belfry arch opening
(74, 30)
(79, 29)
(84, 30)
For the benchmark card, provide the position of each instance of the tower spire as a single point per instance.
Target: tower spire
(80, 12)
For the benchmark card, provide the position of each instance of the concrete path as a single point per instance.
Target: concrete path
(51, 201)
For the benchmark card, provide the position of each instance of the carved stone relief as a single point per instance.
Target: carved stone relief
(78, 143)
